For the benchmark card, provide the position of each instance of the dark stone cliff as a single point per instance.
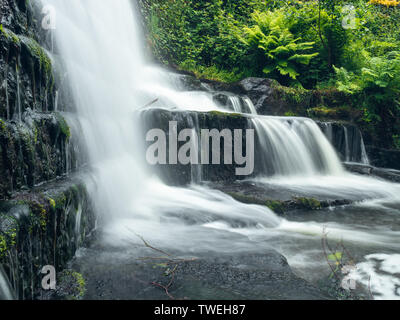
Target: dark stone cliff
(38, 225)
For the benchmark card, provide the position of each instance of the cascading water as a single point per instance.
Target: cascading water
(348, 141)
(100, 48)
(18, 100)
(295, 146)
(364, 155)
(6, 292)
(236, 105)
(250, 105)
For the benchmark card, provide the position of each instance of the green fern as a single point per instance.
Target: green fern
(282, 51)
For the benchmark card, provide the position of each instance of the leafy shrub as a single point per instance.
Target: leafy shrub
(377, 88)
(271, 42)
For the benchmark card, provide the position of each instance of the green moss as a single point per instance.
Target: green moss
(81, 283)
(35, 134)
(3, 32)
(52, 203)
(72, 285)
(308, 203)
(212, 72)
(14, 38)
(64, 127)
(276, 206)
(60, 201)
(323, 112)
(38, 216)
(221, 114)
(8, 235)
(10, 35)
(28, 148)
(290, 114)
(38, 52)
(2, 125)
(294, 96)
(3, 246)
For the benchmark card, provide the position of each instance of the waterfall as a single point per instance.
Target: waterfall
(6, 292)
(250, 105)
(347, 147)
(240, 104)
(364, 155)
(295, 146)
(348, 141)
(18, 100)
(236, 103)
(6, 91)
(101, 50)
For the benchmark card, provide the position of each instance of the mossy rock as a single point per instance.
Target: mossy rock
(8, 234)
(224, 115)
(246, 198)
(39, 54)
(338, 113)
(282, 207)
(277, 206)
(71, 285)
(9, 35)
(308, 203)
(63, 125)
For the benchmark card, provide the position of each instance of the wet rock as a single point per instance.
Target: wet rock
(271, 98)
(280, 206)
(33, 139)
(42, 227)
(32, 151)
(26, 78)
(70, 285)
(384, 158)
(257, 276)
(179, 174)
(387, 174)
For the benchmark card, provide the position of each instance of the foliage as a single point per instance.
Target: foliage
(277, 49)
(348, 45)
(396, 141)
(380, 78)
(377, 85)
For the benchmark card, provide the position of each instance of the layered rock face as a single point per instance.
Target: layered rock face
(43, 227)
(181, 174)
(347, 140)
(32, 151)
(38, 225)
(33, 137)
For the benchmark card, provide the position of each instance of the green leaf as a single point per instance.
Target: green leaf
(337, 256)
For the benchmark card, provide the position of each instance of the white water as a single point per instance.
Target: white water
(378, 273)
(101, 47)
(349, 155)
(6, 292)
(295, 146)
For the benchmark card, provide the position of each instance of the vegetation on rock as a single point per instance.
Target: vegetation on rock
(347, 46)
